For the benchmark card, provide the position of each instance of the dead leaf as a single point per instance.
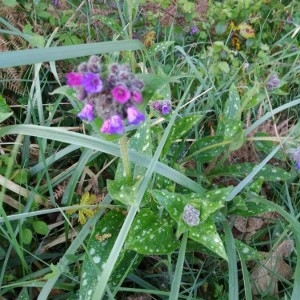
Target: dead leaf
(246, 31)
(265, 275)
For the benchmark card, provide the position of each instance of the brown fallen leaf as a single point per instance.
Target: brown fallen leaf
(265, 275)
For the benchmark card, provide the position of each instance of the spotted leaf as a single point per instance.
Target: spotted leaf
(207, 148)
(207, 234)
(151, 234)
(123, 191)
(181, 127)
(98, 250)
(267, 173)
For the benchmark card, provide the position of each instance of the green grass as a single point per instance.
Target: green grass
(225, 149)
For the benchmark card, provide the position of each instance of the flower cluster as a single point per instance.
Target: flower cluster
(273, 82)
(191, 215)
(113, 98)
(162, 106)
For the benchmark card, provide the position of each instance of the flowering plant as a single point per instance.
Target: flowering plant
(113, 98)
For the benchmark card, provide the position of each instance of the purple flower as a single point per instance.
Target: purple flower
(56, 3)
(193, 30)
(121, 93)
(273, 82)
(136, 96)
(134, 116)
(162, 106)
(165, 108)
(113, 125)
(92, 83)
(295, 154)
(191, 215)
(87, 113)
(74, 79)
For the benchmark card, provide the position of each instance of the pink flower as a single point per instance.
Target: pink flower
(121, 93)
(134, 116)
(74, 79)
(87, 113)
(113, 125)
(92, 83)
(136, 96)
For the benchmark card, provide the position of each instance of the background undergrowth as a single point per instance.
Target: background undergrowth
(200, 201)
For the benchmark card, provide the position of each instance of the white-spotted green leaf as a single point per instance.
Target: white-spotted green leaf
(267, 173)
(99, 247)
(163, 46)
(123, 191)
(140, 142)
(128, 261)
(110, 22)
(247, 252)
(234, 132)
(179, 128)
(267, 146)
(248, 207)
(208, 203)
(151, 234)
(206, 234)
(207, 148)
(233, 104)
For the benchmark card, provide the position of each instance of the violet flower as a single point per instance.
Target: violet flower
(136, 96)
(87, 113)
(134, 116)
(162, 106)
(193, 30)
(113, 125)
(273, 82)
(295, 154)
(92, 83)
(121, 93)
(74, 79)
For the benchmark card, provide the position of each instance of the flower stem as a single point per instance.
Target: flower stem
(125, 158)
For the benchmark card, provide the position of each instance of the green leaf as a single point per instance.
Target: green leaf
(207, 148)
(153, 83)
(233, 104)
(123, 191)
(140, 142)
(26, 236)
(99, 247)
(10, 3)
(151, 234)
(220, 28)
(162, 46)
(267, 146)
(248, 207)
(20, 176)
(181, 127)
(247, 252)
(208, 204)
(233, 131)
(267, 173)
(5, 111)
(206, 234)
(40, 227)
(223, 66)
(110, 22)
